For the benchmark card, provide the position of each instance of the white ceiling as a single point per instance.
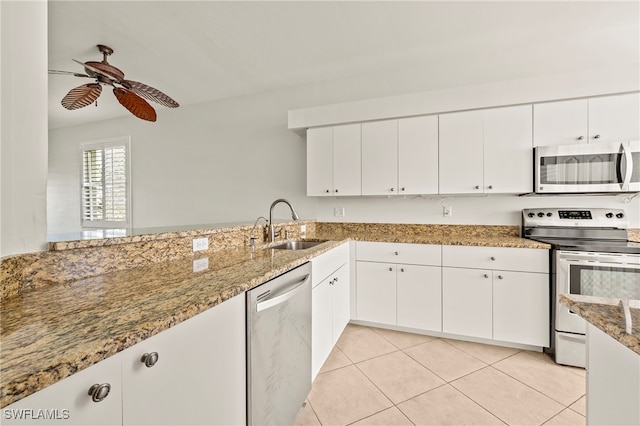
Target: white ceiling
(209, 50)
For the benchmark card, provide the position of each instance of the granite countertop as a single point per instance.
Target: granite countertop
(608, 316)
(81, 323)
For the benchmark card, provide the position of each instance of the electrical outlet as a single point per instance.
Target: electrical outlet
(303, 229)
(200, 264)
(338, 211)
(200, 244)
(447, 211)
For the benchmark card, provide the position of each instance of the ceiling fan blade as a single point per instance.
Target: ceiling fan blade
(135, 104)
(81, 96)
(150, 93)
(68, 73)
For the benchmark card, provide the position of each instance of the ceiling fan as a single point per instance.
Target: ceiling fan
(129, 93)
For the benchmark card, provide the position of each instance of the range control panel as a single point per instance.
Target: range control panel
(581, 217)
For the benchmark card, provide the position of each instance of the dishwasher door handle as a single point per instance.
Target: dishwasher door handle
(283, 297)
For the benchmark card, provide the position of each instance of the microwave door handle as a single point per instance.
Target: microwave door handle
(628, 167)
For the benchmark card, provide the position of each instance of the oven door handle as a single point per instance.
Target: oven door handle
(628, 167)
(599, 262)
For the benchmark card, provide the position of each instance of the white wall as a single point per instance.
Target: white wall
(24, 126)
(483, 210)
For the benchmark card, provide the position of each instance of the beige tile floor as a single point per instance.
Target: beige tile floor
(383, 377)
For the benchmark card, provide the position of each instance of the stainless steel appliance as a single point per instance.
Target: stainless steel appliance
(585, 168)
(591, 255)
(279, 347)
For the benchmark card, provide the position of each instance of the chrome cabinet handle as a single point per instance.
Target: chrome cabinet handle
(596, 137)
(486, 275)
(150, 359)
(99, 392)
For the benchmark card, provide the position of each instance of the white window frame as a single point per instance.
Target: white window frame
(103, 144)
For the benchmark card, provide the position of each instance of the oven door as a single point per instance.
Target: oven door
(606, 167)
(609, 275)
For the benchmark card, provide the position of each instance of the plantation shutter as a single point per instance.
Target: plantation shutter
(105, 185)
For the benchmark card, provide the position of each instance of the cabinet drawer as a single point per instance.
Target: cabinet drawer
(328, 262)
(416, 254)
(504, 258)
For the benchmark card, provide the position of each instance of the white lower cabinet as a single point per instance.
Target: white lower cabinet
(508, 305)
(68, 402)
(330, 303)
(197, 378)
(467, 302)
(403, 294)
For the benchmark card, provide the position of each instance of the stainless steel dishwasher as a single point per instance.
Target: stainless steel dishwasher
(279, 347)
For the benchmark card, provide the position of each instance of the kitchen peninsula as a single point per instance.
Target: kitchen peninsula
(613, 359)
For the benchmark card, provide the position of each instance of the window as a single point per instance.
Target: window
(106, 183)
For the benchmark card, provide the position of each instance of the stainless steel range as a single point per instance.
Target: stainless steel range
(591, 255)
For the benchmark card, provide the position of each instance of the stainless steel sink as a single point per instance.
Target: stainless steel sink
(297, 245)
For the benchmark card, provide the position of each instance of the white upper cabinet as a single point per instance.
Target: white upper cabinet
(486, 151)
(508, 150)
(380, 158)
(461, 153)
(603, 119)
(614, 118)
(418, 155)
(400, 156)
(559, 123)
(333, 161)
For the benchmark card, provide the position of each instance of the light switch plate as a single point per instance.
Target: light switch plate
(338, 211)
(200, 244)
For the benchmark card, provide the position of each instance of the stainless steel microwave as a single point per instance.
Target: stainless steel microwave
(583, 168)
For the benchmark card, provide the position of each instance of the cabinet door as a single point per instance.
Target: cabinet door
(461, 153)
(508, 150)
(376, 292)
(521, 307)
(380, 158)
(558, 123)
(200, 370)
(320, 161)
(321, 325)
(614, 118)
(68, 401)
(346, 160)
(466, 302)
(341, 301)
(419, 297)
(418, 155)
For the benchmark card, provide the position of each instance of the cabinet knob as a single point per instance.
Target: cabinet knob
(397, 253)
(336, 279)
(390, 268)
(402, 189)
(580, 138)
(490, 186)
(500, 277)
(493, 258)
(336, 190)
(486, 275)
(392, 189)
(150, 359)
(327, 191)
(401, 269)
(99, 392)
(596, 137)
(477, 187)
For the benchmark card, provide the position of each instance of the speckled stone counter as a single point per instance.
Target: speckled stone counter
(51, 333)
(81, 302)
(608, 316)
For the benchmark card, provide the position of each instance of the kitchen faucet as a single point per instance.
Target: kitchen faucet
(252, 239)
(294, 216)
